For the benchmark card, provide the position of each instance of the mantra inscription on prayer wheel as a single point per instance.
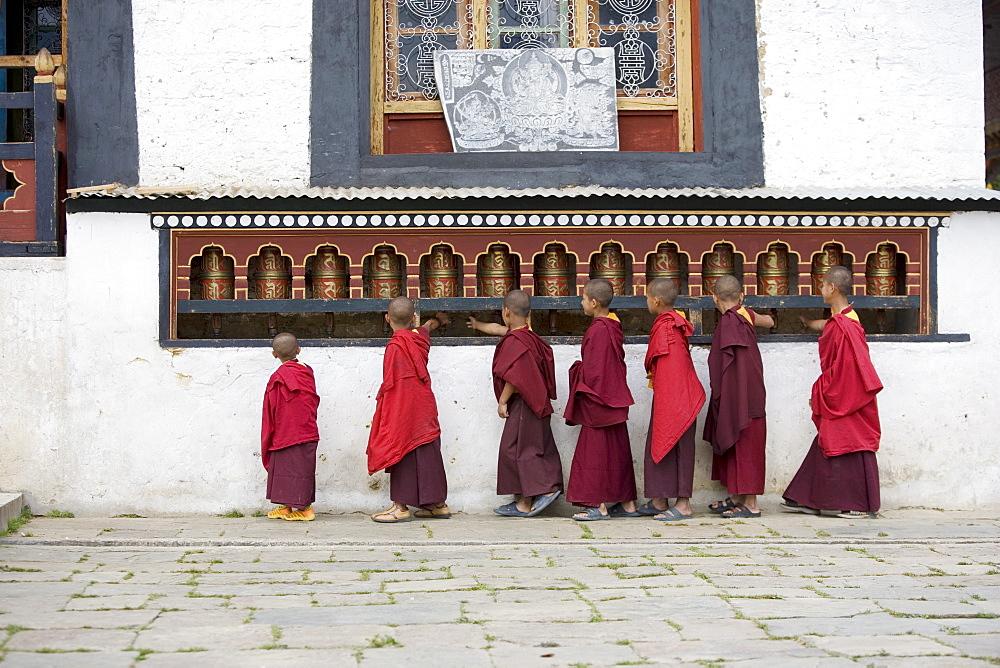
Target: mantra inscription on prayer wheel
(441, 271)
(772, 271)
(329, 274)
(273, 276)
(609, 263)
(832, 255)
(217, 278)
(383, 274)
(495, 272)
(719, 262)
(552, 272)
(881, 279)
(665, 263)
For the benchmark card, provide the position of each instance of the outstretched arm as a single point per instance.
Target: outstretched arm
(486, 327)
(764, 321)
(813, 325)
(437, 320)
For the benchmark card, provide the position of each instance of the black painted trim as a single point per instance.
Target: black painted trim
(30, 249)
(165, 266)
(103, 136)
(24, 100)
(731, 122)
(47, 194)
(17, 151)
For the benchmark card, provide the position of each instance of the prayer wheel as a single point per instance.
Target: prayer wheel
(273, 277)
(665, 263)
(609, 263)
(217, 278)
(831, 256)
(329, 274)
(552, 272)
(719, 262)
(495, 272)
(441, 273)
(383, 274)
(772, 271)
(881, 279)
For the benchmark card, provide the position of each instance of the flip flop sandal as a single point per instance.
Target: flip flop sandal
(390, 516)
(671, 514)
(649, 509)
(739, 511)
(541, 503)
(590, 515)
(720, 507)
(792, 507)
(509, 510)
(617, 510)
(442, 513)
(857, 515)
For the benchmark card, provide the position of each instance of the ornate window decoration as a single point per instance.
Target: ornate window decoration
(653, 42)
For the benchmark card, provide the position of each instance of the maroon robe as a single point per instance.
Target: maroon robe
(289, 435)
(736, 425)
(840, 470)
(528, 462)
(599, 398)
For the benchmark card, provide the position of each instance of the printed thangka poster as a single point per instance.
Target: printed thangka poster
(530, 100)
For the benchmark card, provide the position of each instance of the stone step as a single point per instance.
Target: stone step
(10, 507)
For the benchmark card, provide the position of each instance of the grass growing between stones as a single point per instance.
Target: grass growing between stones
(383, 641)
(60, 513)
(233, 514)
(18, 522)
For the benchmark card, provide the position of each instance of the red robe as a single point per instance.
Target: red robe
(677, 393)
(598, 392)
(736, 372)
(289, 413)
(845, 410)
(405, 411)
(524, 359)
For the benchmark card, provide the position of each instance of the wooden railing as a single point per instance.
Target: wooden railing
(31, 220)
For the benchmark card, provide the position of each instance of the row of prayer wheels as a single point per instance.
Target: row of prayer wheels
(384, 272)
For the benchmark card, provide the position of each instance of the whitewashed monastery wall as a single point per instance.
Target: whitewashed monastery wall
(116, 424)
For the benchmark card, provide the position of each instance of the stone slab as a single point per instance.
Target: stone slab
(72, 660)
(878, 645)
(229, 638)
(72, 640)
(365, 614)
(10, 507)
(425, 657)
(272, 658)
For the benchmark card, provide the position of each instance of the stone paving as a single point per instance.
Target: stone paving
(914, 588)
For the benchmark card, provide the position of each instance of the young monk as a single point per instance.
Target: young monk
(601, 477)
(524, 381)
(405, 439)
(736, 426)
(840, 471)
(288, 433)
(677, 398)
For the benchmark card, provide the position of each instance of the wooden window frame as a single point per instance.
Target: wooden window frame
(13, 62)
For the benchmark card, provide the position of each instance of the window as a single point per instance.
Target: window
(653, 42)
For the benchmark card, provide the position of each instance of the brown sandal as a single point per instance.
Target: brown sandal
(393, 515)
(439, 513)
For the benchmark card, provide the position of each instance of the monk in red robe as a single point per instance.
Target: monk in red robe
(288, 433)
(524, 381)
(677, 399)
(840, 471)
(736, 424)
(601, 477)
(405, 439)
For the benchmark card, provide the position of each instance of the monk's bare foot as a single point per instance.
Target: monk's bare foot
(525, 503)
(683, 505)
(590, 512)
(750, 501)
(628, 506)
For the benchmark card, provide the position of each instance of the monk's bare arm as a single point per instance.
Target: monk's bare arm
(487, 327)
(812, 325)
(437, 320)
(763, 321)
(508, 392)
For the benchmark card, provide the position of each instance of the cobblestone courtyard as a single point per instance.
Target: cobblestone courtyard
(915, 588)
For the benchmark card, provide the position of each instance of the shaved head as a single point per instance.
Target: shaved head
(600, 290)
(663, 289)
(727, 288)
(401, 311)
(285, 346)
(840, 278)
(518, 302)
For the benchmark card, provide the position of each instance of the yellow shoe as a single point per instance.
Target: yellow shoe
(279, 512)
(306, 515)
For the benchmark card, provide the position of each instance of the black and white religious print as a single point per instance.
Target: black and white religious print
(529, 100)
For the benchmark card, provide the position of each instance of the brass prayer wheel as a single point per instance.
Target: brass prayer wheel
(609, 263)
(772, 271)
(441, 273)
(831, 256)
(719, 262)
(383, 274)
(273, 276)
(665, 263)
(495, 272)
(881, 279)
(329, 274)
(552, 272)
(217, 277)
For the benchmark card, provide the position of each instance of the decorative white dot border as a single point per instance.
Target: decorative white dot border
(271, 220)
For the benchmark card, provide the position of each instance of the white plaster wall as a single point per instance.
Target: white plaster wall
(115, 424)
(222, 91)
(856, 93)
